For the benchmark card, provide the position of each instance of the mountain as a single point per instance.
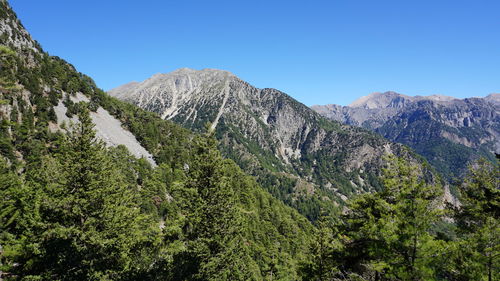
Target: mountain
(94, 188)
(448, 132)
(302, 158)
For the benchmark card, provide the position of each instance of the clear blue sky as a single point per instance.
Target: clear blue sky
(317, 51)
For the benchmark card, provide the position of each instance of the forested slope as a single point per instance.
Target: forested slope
(74, 208)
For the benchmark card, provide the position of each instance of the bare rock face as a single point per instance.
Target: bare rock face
(13, 32)
(15, 36)
(108, 129)
(449, 132)
(265, 129)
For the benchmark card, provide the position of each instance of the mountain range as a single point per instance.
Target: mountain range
(449, 132)
(198, 175)
(302, 158)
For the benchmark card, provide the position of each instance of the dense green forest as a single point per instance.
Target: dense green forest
(73, 209)
(91, 213)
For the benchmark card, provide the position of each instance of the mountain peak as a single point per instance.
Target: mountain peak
(392, 99)
(191, 71)
(184, 70)
(184, 75)
(165, 93)
(494, 98)
(381, 100)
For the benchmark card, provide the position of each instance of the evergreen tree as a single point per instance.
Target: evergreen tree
(478, 221)
(90, 227)
(12, 204)
(214, 232)
(18, 215)
(325, 251)
(389, 231)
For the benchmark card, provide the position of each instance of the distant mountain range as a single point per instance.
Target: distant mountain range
(447, 131)
(301, 157)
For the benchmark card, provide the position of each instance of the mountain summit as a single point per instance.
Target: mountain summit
(168, 94)
(393, 100)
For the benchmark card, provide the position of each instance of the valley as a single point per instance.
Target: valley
(199, 175)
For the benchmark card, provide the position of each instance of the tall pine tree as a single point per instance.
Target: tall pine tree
(215, 247)
(90, 225)
(478, 221)
(389, 231)
(325, 251)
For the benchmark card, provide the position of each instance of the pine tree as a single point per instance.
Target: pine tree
(415, 207)
(389, 231)
(325, 251)
(91, 227)
(478, 221)
(18, 214)
(215, 235)
(13, 201)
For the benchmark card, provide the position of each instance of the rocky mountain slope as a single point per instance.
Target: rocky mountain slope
(449, 132)
(108, 128)
(18, 40)
(301, 157)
